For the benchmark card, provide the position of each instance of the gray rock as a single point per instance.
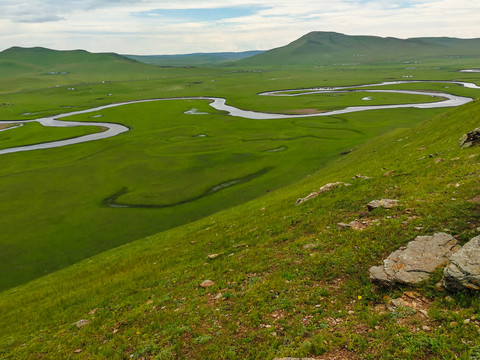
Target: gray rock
(384, 203)
(207, 283)
(290, 358)
(464, 269)
(324, 188)
(469, 139)
(355, 225)
(81, 323)
(414, 263)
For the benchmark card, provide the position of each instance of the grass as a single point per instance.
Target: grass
(34, 133)
(287, 281)
(278, 296)
(150, 167)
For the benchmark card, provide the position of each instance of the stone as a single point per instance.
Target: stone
(475, 200)
(92, 312)
(469, 139)
(464, 269)
(324, 188)
(291, 358)
(81, 323)
(355, 225)
(342, 226)
(384, 203)
(207, 283)
(414, 263)
(360, 176)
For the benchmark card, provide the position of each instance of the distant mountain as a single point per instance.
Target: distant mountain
(76, 64)
(196, 59)
(323, 48)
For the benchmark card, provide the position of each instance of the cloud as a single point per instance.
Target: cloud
(173, 26)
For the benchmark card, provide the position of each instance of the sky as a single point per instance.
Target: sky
(151, 27)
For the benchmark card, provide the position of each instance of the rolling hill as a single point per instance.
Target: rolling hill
(326, 48)
(23, 68)
(196, 59)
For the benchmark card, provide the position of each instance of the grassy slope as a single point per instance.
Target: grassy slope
(322, 48)
(291, 283)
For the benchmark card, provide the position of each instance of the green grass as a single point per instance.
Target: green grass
(151, 166)
(287, 276)
(279, 297)
(34, 133)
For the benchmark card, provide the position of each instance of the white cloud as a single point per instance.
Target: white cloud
(109, 25)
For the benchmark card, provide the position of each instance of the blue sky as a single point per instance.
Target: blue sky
(200, 15)
(188, 26)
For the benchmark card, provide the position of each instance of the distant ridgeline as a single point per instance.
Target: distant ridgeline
(315, 48)
(327, 48)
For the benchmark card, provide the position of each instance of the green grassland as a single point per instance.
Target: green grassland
(173, 168)
(34, 133)
(190, 185)
(290, 282)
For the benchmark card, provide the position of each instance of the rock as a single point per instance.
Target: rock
(469, 139)
(207, 283)
(475, 200)
(384, 203)
(290, 358)
(213, 256)
(342, 226)
(92, 312)
(360, 176)
(414, 263)
(355, 225)
(77, 351)
(324, 188)
(81, 323)
(449, 299)
(464, 269)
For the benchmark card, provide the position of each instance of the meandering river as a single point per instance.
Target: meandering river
(113, 129)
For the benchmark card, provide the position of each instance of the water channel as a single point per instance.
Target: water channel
(113, 129)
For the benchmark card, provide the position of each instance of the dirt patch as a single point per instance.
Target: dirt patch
(6, 126)
(475, 200)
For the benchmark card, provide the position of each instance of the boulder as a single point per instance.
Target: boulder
(384, 203)
(469, 139)
(414, 263)
(464, 269)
